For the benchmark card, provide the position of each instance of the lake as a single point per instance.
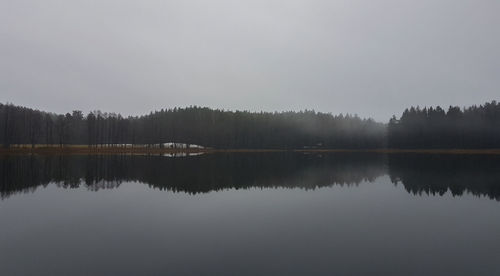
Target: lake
(250, 214)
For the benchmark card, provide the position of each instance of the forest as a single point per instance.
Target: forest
(192, 125)
(417, 128)
(475, 127)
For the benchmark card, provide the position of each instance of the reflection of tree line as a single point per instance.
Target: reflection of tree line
(198, 174)
(437, 174)
(419, 173)
(26, 173)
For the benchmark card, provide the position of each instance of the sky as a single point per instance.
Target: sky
(371, 58)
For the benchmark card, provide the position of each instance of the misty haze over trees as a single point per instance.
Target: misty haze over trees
(473, 127)
(192, 125)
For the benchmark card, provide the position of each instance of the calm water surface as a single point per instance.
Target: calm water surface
(250, 214)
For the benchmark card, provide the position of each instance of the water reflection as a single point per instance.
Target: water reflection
(418, 173)
(437, 174)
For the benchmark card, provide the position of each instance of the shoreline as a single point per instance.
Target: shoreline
(79, 149)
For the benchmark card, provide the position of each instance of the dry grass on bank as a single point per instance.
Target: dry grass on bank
(84, 149)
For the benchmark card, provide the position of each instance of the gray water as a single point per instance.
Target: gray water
(250, 214)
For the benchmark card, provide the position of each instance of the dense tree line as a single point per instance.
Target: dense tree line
(192, 125)
(472, 127)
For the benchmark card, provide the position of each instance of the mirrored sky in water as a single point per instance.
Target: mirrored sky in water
(243, 214)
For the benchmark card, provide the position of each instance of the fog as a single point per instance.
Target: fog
(373, 58)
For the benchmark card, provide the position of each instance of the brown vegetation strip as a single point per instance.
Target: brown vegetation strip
(421, 151)
(79, 149)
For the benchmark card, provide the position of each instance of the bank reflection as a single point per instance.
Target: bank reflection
(418, 173)
(195, 174)
(438, 174)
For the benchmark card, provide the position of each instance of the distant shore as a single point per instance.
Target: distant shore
(83, 149)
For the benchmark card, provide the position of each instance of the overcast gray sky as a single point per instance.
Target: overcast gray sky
(373, 58)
